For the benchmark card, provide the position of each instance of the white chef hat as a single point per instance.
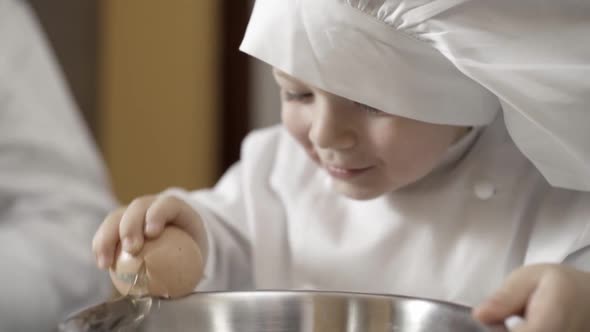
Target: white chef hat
(454, 62)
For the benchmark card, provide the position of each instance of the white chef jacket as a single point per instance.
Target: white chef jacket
(456, 234)
(275, 223)
(53, 190)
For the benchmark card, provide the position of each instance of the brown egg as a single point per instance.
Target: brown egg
(169, 266)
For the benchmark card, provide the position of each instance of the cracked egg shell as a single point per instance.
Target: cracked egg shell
(168, 266)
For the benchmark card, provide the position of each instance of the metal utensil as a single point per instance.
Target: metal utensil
(276, 311)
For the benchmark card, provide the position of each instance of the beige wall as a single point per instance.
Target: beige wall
(158, 94)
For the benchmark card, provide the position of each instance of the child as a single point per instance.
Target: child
(394, 171)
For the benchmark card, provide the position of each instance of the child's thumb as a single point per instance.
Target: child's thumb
(511, 298)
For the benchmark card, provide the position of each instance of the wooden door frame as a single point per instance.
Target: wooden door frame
(235, 82)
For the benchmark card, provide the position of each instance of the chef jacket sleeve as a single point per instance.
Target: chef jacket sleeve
(580, 259)
(241, 202)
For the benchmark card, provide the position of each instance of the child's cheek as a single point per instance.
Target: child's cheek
(297, 125)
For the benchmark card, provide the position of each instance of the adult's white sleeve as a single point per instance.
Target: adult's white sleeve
(53, 190)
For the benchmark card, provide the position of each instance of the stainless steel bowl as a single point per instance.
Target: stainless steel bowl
(274, 311)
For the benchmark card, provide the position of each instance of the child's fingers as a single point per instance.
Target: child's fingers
(106, 239)
(163, 211)
(167, 209)
(547, 319)
(511, 298)
(132, 223)
(549, 307)
(544, 316)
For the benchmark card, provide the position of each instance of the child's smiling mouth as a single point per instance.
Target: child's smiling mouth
(337, 171)
(345, 173)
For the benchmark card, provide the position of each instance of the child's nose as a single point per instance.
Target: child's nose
(330, 129)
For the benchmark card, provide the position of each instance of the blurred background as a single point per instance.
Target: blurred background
(162, 85)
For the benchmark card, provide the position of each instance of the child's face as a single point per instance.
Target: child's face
(366, 152)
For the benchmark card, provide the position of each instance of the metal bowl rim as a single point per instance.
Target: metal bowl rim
(301, 293)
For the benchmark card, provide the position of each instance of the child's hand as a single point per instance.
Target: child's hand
(552, 298)
(144, 217)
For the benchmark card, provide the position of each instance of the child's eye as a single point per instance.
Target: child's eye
(369, 109)
(294, 96)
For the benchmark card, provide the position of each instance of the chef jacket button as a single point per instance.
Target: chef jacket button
(484, 190)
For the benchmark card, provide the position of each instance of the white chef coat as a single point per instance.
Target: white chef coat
(53, 190)
(275, 223)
